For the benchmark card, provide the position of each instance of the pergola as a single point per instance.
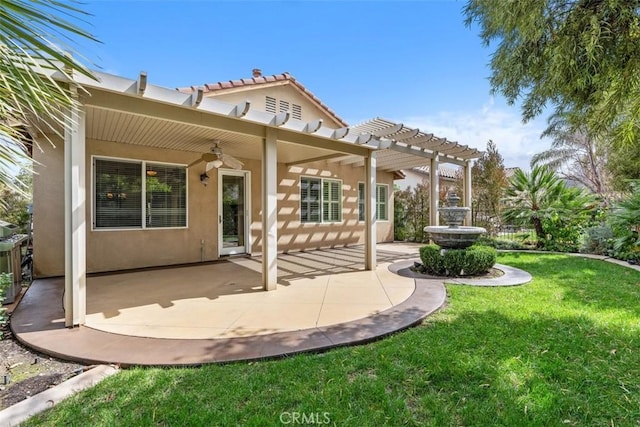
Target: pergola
(114, 108)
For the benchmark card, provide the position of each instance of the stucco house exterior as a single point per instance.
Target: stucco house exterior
(125, 187)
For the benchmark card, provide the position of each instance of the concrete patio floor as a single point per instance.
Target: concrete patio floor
(226, 300)
(217, 312)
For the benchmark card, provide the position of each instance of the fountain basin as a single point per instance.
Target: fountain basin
(454, 237)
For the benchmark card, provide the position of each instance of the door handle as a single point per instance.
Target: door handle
(220, 219)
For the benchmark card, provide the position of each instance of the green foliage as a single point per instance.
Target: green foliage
(500, 243)
(625, 221)
(15, 209)
(399, 216)
(454, 261)
(561, 350)
(556, 212)
(623, 163)
(5, 282)
(489, 182)
(582, 57)
(432, 260)
(479, 259)
(411, 213)
(597, 240)
(474, 260)
(34, 37)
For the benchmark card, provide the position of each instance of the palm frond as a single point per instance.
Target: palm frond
(36, 38)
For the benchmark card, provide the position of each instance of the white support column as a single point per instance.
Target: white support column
(370, 212)
(434, 197)
(467, 191)
(269, 211)
(75, 233)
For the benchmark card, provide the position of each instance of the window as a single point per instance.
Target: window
(331, 200)
(361, 207)
(381, 202)
(310, 200)
(382, 205)
(312, 192)
(166, 196)
(122, 185)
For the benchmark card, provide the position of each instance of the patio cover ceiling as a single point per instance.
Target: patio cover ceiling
(131, 111)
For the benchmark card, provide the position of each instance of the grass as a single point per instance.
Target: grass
(562, 350)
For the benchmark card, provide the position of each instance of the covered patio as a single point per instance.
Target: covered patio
(217, 312)
(116, 116)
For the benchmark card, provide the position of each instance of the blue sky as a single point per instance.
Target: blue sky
(414, 62)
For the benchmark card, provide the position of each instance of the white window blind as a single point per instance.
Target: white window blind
(361, 207)
(166, 196)
(381, 202)
(382, 211)
(310, 200)
(118, 194)
(331, 200)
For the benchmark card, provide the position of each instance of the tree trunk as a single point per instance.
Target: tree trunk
(537, 226)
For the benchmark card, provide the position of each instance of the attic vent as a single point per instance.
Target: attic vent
(284, 106)
(296, 112)
(270, 105)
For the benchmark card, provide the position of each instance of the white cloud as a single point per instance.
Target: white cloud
(516, 142)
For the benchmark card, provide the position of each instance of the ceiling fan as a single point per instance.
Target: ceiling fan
(217, 158)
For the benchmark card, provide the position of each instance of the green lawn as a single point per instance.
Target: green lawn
(562, 350)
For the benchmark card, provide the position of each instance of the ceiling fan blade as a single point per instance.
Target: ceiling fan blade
(194, 162)
(210, 165)
(231, 161)
(209, 157)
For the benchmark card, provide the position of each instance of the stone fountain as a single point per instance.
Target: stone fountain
(454, 235)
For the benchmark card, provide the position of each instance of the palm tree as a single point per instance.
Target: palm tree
(541, 194)
(35, 36)
(576, 155)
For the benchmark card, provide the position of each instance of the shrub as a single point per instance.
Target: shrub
(597, 240)
(499, 243)
(432, 259)
(454, 261)
(479, 259)
(5, 282)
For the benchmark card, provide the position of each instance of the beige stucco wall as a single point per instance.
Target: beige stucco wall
(284, 92)
(109, 250)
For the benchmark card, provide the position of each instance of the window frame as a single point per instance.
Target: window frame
(321, 200)
(339, 202)
(361, 213)
(386, 203)
(143, 193)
